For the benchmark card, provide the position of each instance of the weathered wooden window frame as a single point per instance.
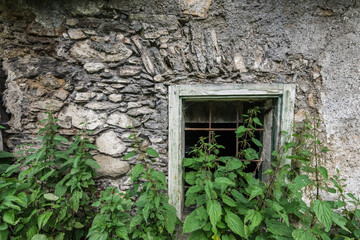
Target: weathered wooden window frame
(285, 93)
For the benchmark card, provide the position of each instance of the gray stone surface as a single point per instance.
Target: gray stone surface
(111, 167)
(109, 143)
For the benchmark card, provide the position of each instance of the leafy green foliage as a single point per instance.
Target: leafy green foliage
(50, 198)
(230, 203)
(154, 217)
(112, 222)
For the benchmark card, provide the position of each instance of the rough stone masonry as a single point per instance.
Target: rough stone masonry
(111, 62)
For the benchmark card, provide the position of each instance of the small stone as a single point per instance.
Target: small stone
(62, 94)
(132, 88)
(164, 45)
(134, 60)
(48, 104)
(106, 75)
(51, 82)
(72, 21)
(111, 167)
(239, 63)
(134, 105)
(301, 115)
(160, 88)
(115, 97)
(75, 115)
(118, 86)
(311, 100)
(128, 71)
(140, 111)
(122, 120)
(110, 143)
(101, 105)
(195, 7)
(82, 97)
(83, 49)
(94, 67)
(76, 34)
(158, 78)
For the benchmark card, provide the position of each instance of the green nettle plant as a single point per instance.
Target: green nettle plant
(53, 188)
(155, 218)
(112, 222)
(230, 203)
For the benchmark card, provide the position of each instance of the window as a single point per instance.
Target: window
(195, 110)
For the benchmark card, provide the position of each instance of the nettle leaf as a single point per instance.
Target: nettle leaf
(198, 235)
(224, 181)
(257, 121)
(214, 211)
(324, 173)
(251, 154)
(9, 217)
(299, 182)
(136, 171)
(39, 237)
(279, 228)
(323, 212)
(152, 152)
(340, 221)
(51, 197)
(240, 131)
(43, 219)
(257, 142)
(253, 217)
(235, 224)
(129, 155)
(60, 189)
(302, 234)
(170, 218)
(196, 220)
(228, 200)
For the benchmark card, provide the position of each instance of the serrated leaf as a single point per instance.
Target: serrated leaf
(195, 221)
(198, 235)
(51, 197)
(121, 232)
(228, 200)
(254, 217)
(257, 142)
(4, 154)
(43, 219)
(323, 212)
(213, 209)
(324, 173)
(129, 155)
(9, 217)
(152, 152)
(257, 121)
(60, 189)
(224, 181)
(235, 224)
(170, 218)
(39, 237)
(78, 225)
(302, 234)
(47, 175)
(92, 163)
(240, 131)
(251, 154)
(136, 171)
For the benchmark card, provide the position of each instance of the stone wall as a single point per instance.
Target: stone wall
(111, 62)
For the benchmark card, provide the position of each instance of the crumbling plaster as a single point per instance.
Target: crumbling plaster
(113, 60)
